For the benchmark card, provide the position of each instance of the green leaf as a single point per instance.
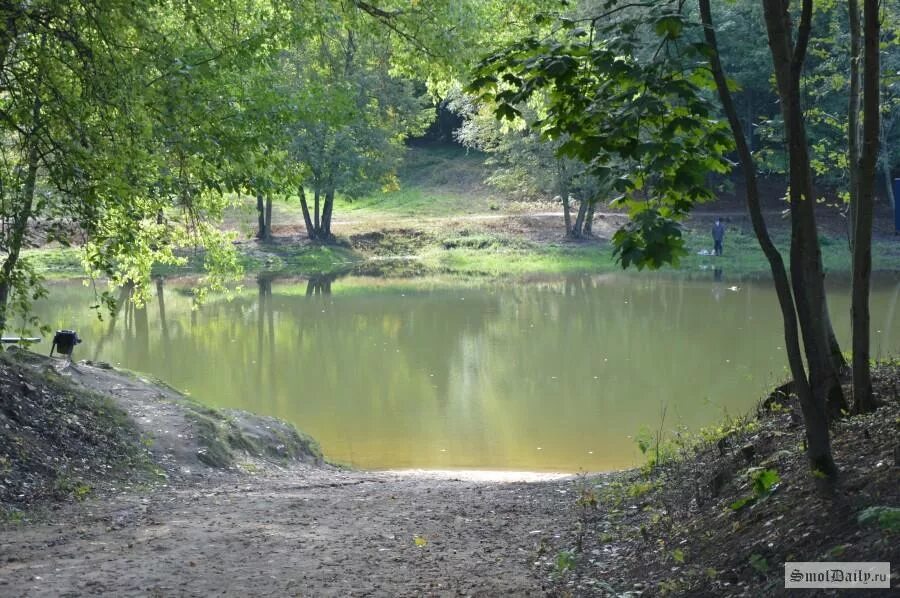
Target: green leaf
(740, 504)
(765, 482)
(669, 26)
(759, 563)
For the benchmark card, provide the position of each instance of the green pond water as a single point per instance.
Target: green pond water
(553, 375)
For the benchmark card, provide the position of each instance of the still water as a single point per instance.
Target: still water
(551, 375)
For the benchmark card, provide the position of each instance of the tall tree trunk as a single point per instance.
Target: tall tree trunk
(885, 160)
(807, 274)
(261, 217)
(19, 227)
(817, 435)
(268, 216)
(589, 220)
(326, 214)
(853, 118)
(316, 212)
(567, 213)
(579, 219)
(864, 401)
(310, 230)
(564, 195)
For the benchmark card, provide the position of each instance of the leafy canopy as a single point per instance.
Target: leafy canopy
(625, 89)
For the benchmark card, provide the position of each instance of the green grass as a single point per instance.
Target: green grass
(56, 262)
(435, 181)
(481, 254)
(743, 256)
(443, 182)
(520, 262)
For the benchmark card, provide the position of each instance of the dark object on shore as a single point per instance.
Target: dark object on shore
(64, 342)
(748, 451)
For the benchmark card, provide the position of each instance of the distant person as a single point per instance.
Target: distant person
(718, 235)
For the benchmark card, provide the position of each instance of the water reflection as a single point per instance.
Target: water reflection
(546, 375)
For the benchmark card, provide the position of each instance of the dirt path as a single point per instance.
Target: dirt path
(304, 533)
(300, 530)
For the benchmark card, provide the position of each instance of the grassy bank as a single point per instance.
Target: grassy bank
(479, 252)
(443, 219)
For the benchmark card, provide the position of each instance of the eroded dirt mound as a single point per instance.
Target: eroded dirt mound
(57, 442)
(67, 431)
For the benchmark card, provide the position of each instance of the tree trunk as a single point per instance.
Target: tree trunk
(567, 213)
(316, 212)
(310, 230)
(19, 227)
(589, 220)
(579, 219)
(564, 195)
(818, 440)
(864, 401)
(261, 217)
(326, 214)
(853, 119)
(268, 216)
(807, 274)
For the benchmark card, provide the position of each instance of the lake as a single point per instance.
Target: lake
(550, 375)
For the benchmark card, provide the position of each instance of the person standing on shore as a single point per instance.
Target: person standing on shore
(718, 235)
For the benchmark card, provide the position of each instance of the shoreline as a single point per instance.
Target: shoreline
(497, 246)
(287, 522)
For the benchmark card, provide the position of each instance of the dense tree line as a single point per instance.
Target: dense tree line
(129, 127)
(827, 91)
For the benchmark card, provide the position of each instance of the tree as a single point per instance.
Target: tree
(347, 134)
(117, 122)
(864, 400)
(527, 165)
(599, 80)
(619, 108)
(812, 405)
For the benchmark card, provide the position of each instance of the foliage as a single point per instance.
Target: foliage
(524, 164)
(764, 482)
(886, 518)
(618, 108)
(565, 561)
(759, 563)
